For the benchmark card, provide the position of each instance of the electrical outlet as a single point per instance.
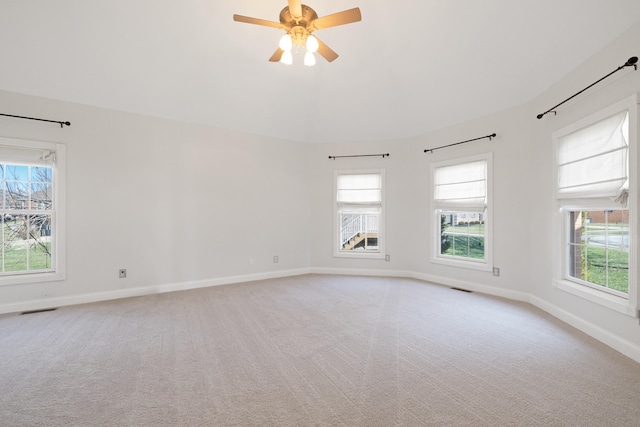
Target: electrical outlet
(122, 273)
(250, 261)
(387, 258)
(496, 271)
(275, 259)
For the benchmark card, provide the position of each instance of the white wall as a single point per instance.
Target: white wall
(401, 192)
(408, 227)
(173, 203)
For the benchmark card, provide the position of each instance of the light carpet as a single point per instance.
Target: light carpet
(310, 350)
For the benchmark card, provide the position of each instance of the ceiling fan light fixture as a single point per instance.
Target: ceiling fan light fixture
(309, 59)
(287, 57)
(312, 44)
(298, 22)
(286, 43)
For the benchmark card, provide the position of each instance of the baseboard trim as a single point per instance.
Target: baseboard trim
(440, 280)
(143, 290)
(625, 347)
(471, 286)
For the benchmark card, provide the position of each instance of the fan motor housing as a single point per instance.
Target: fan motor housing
(308, 15)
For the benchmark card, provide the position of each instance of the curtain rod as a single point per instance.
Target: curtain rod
(431, 150)
(631, 62)
(361, 155)
(40, 120)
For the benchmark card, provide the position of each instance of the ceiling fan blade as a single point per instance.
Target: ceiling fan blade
(325, 51)
(340, 18)
(276, 55)
(256, 21)
(295, 8)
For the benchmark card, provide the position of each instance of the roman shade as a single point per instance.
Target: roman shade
(359, 189)
(461, 187)
(593, 161)
(16, 154)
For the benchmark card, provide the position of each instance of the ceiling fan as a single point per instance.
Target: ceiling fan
(299, 21)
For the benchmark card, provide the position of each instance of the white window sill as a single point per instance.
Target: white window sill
(24, 278)
(480, 265)
(619, 304)
(362, 255)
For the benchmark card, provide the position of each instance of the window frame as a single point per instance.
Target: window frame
(338, 207)
(562, 208)
(57, 270)
(485, 264)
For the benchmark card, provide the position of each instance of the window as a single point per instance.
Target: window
(30, 211)
(359, 210)
(461, 206)
(596, 200)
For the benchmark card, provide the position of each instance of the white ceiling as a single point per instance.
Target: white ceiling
(407, 68)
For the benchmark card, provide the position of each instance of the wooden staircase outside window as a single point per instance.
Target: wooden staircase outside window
(359, 231)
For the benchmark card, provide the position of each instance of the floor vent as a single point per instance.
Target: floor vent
(39, 311)
(462, 290)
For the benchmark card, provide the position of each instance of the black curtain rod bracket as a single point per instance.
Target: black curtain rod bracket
(361, 155)
(62, 124)
(631, 62)
(431, 150)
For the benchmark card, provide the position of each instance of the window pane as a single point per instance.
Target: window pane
(26, 242)
(39, 226)
(462, 234)
(599, 248)
(39, 255)
(15, 243)
(17, 173)
(16, 195)
(595, 265)
(40, 196)
(476, 247)
(359, 231)
(460, 246)
(41, 174)
(15, 255)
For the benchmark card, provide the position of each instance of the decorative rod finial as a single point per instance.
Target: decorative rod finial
(633, 61)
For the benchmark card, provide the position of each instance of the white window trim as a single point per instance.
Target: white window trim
(58, 216)
(561, 281)
(487, 263)
(380, 254)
